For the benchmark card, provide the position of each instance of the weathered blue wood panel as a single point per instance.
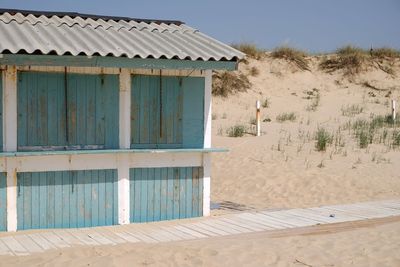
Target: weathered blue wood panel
(165, 193)
(57, 110)
(3, 201)
(156, 112)
(1, 111)
(193, 112)
(67, 199)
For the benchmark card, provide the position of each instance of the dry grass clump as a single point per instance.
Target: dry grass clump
(348, 58)
(237, 130)
(323, 138)
(226, 83)
(293, 55)
(254, 71)
(251, 50)
(385, 53)
(286, 117)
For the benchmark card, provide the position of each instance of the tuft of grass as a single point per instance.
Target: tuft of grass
(351, 110)
(266, 103)
(251, 50)
(293, 55)
(323, 138)
(226, 83)
(315, 103)
(253, 121)
(214, 116)
(254, 71)
(237, 130)
(348, 58)
(396, 138)
(385, 53)
(291, 116)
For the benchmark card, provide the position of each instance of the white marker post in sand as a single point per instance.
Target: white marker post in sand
(394, 110)
(258, 118)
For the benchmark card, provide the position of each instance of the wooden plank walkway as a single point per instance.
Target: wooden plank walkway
(29, 242)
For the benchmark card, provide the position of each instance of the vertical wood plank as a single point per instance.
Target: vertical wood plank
(176, 194)
(182, 193)
(80, 190)
(43, 197)
(201, 189)
(88, 197)
(102, 197)
(170, 194)
(109, 197)
(50, 216)
(150, 194)
(188, 192)
(137, 194)
(157, 194)
(164, 194)
(73, 205)
(67, 199)
(195, 192)
(95, 197)
(3, 201)
(143, 200)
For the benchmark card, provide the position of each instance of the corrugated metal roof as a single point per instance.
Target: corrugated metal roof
(24, 32)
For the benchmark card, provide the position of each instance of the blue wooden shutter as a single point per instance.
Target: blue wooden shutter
(92, 104)
(41, 110)
(93, 113)
(67, 199)
(193, 112)
(156, 112)
(165, 193)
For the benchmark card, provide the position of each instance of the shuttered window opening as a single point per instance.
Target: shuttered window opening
(59, 111)
(67, 199)
(165, 193)
(167, 112)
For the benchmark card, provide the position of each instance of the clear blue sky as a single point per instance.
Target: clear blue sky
(312, 25)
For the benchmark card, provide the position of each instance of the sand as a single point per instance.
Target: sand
(282, 169)
(351, 244)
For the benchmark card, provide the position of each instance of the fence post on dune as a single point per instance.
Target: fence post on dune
(258, 118)
(394, 110)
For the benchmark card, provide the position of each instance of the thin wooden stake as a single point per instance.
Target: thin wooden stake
(258, 118)
(394, 110)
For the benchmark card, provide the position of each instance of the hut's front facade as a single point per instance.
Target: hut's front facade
(105, 120)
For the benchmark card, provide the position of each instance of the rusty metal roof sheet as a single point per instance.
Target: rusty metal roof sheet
(55, 33)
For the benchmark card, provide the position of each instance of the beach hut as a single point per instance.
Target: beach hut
(105, 120)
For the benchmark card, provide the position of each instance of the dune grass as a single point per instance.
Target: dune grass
(293, 55)
(291, 116)
(226, 83)
(237, 130)
(350, 59)
(251, 50)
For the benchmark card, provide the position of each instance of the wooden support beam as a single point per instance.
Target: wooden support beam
(124, 143)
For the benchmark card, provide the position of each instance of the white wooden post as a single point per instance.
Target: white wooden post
(258, 118)
(394, 110)
(124, 143)
(10, 141)
(207, 143)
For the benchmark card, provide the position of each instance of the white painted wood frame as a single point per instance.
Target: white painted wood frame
(207, 143)
(124, 143)
(10, 141)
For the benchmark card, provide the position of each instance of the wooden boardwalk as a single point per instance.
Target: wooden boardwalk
(29, 242)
